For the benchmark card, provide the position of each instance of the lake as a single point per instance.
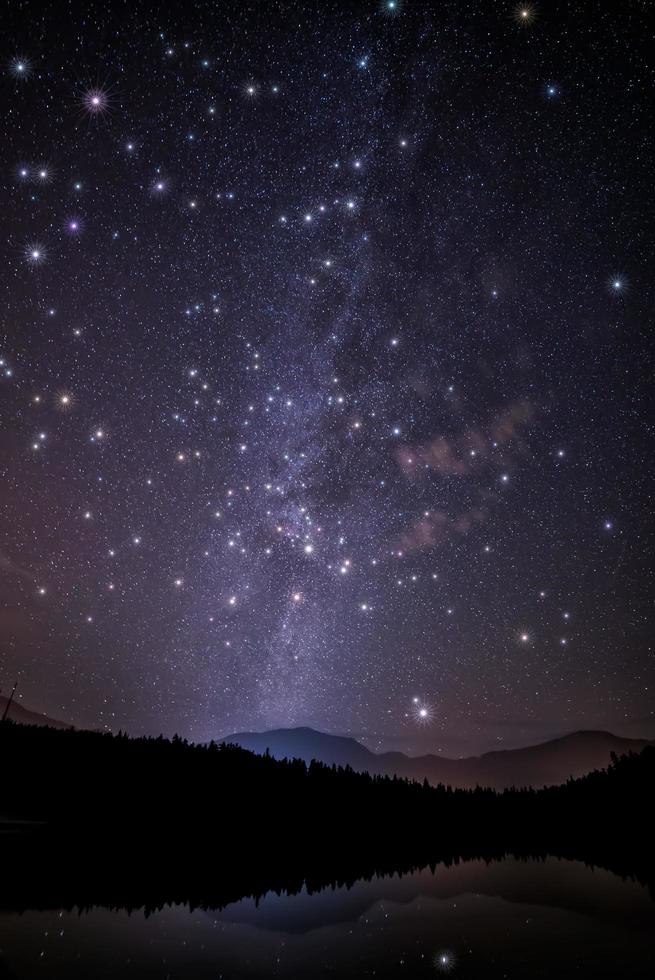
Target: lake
(510, 919)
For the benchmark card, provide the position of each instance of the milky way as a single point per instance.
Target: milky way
(324, 349)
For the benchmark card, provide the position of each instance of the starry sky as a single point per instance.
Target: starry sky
(325, 368)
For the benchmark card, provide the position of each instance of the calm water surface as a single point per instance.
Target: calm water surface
(507, 919)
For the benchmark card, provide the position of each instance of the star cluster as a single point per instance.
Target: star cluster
(322, 370)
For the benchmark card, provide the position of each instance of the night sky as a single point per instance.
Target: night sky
(325, 368)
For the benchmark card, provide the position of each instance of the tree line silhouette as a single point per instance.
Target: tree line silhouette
(96, 817)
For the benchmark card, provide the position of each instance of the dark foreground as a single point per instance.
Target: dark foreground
(507, 919)
(194, 836)
(99, 819)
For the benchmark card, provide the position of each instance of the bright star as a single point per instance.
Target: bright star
(20, 67)
(95, 101)
(444, 961)
(423, 713)
(524, 15)
(34, 254)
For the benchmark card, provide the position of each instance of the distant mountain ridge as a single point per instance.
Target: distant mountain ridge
(24, 716)
(546, 764)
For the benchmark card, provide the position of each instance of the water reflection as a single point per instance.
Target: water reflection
(510, 918)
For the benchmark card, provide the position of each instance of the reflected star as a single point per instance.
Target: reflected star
(444, 961)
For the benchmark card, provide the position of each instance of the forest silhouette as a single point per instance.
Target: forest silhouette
(95, 818)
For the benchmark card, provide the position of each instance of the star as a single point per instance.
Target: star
(524, 15)
(444, 962)
(35, 254)
(423, 712)
(95, 101)
(20, 68)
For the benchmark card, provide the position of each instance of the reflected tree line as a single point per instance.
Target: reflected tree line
(91, 818)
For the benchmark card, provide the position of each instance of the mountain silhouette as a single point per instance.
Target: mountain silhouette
(24, 716)
(546, 764)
